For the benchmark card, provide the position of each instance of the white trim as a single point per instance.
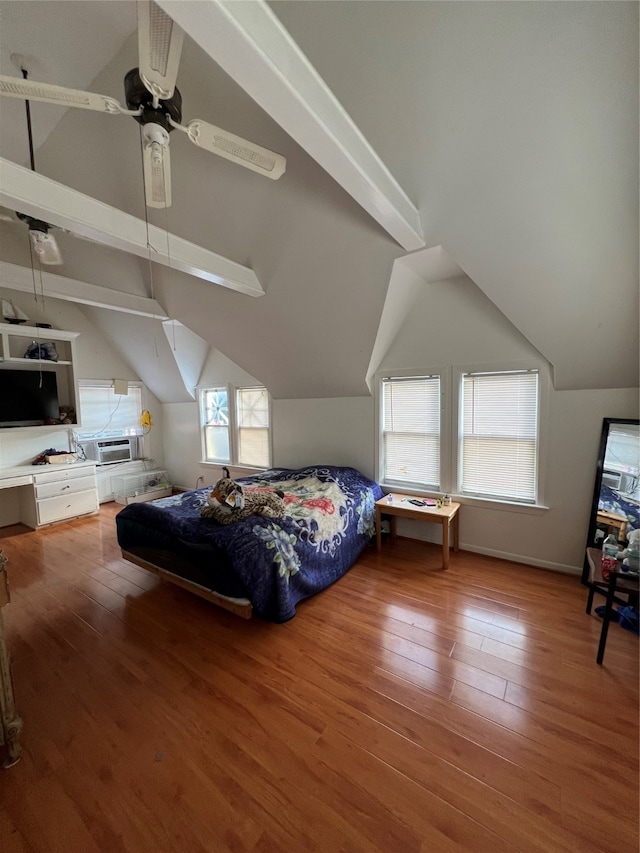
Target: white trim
(250, 44)
(523, 560)
(243, 470)
(450, 389)
(237, 388)
(14, 277)
(457, 371)
(233, 428)
(201, 391)
(31, 193)
(445, 423)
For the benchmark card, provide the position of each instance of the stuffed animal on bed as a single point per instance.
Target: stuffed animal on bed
(227, 502)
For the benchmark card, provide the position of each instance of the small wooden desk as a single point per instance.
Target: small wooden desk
(400, 506)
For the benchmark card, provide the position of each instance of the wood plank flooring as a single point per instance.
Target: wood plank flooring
(404, 709)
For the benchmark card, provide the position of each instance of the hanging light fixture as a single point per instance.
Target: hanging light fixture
(42, 242)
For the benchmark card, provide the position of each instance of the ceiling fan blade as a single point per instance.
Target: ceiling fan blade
(234, 148)
(159, 48)
(157, 166)
(30, 90)
(46, 248)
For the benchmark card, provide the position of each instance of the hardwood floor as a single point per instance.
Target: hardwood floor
(404, 709)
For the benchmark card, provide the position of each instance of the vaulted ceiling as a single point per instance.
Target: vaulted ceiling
(510, 130)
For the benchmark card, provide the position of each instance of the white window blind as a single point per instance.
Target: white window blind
(411, 430)
(499, 435)
(106, 414)
(215, 421)
(252, 411)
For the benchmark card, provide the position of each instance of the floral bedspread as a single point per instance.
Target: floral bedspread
(330, 517)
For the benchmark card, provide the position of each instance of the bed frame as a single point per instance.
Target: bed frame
(239, 606)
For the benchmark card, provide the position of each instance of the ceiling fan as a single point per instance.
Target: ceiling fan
(154, 101)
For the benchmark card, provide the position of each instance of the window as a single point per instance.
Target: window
(215, 411)
(252, 411)
(106, 414)
(411, 430)
(481, 440)
(236, 426)
(499, 435)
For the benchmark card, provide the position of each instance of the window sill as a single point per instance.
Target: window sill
(469, 500)
(230, 466)
(506, 506)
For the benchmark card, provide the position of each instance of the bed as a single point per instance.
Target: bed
(261, 565)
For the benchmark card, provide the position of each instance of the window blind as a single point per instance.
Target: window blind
(252, 411)
(499, 441)
(411, 430)
(106, 414)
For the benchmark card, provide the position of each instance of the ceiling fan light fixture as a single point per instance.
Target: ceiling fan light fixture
(157, 165)
(45, 247)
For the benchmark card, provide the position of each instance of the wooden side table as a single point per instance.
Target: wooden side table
(400, 507)
(10, 722)
(613, 521)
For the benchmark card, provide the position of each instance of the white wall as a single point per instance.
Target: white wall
(181, 439)
(333, 430)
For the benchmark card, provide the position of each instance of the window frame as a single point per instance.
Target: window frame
(458, 371)
(234, 426)
(450, 430)
(493, 439)
(443, 375)
(202, 391)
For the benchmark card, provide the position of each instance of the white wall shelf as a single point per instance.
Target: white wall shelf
(14, 341)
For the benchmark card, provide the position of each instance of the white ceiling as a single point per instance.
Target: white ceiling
(61, 41)
(513, 128)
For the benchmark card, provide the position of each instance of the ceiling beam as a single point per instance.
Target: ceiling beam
(248, 41)
(14, 277)
(33, 194)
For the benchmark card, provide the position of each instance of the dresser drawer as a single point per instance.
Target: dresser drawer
(67, 506)
(62, 473)
(65, 487)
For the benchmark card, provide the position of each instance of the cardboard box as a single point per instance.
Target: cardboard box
(62, 458)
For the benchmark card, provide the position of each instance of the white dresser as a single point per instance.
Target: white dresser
(59, 493)
(51, 493)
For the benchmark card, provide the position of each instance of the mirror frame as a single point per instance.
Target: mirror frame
(606, 425)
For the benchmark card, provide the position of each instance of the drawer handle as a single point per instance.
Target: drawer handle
(65, 487)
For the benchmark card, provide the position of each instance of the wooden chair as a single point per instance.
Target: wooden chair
(619, 583)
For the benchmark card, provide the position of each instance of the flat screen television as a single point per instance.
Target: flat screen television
(28, 397)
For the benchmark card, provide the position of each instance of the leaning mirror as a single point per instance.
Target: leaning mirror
(616, 495)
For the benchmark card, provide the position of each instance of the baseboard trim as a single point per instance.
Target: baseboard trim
(503, 555)
(528, 561)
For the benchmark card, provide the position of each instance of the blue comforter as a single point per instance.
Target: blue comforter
(330, 517)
